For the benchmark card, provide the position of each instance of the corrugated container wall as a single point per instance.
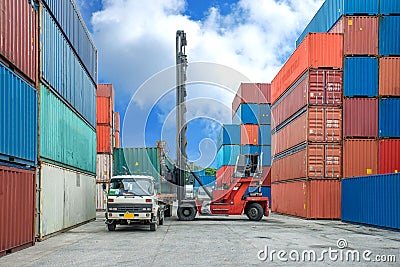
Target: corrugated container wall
(246, 114)
(360, 117)
(389, 78)
(318, 50)
(389, 156)
(388, 7)
(18, 21)
(18, 120)
(117, 138)
(389, 117)
(207, 181)
(104, 110)
(65, 139)
(103, 167)
(229, 135)
(224, 176)
(62, 70)
(264, 134)
(389, 36)
(227, 155)
(372, 200)
(360, 157)
(264, 114)
(67, 15)
(315, 199)
(251, 93)
(101, 197)
(360, 77)
(249, 134)
(104, 139)
(142, 161)
(17, 208)
(117, 122)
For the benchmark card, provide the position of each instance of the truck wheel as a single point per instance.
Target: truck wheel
(111, 227)
(186, 213)
(254, 212)
(153, 227)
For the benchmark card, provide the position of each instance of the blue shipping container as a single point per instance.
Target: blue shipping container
(372, 200)
(360, 76)
(331, 11)
(200, 172)
(227, 155)
(265, 152)
(67, 15)
(264, 134)
(250, 149)
(207, 181)
(246, 114)
(18, 119)
(265, 191)
(229, 135)
(387, 7)
(264, 114)
(389, 35)
(62, 70)
(389, 117)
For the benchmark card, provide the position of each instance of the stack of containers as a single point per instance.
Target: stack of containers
(307, 129)
(104, 131)
(18, 123)
(67, 116)
(117, 130)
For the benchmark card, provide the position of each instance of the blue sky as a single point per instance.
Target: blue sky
(136, 46)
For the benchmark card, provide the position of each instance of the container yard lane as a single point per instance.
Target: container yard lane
(216, 241)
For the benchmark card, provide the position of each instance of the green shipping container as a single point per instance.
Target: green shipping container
(65, 139)
(144, 161)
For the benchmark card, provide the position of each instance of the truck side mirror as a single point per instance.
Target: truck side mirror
(104, 187)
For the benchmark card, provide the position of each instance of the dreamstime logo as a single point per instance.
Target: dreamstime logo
(341, 253)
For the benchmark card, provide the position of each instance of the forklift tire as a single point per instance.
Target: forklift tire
(111, 227)
(186, 213)
(153, 227)
(254, 212)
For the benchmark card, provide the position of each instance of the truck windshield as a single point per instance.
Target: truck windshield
(131, 186)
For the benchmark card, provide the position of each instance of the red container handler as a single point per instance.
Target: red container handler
(224, 176)
(17, 209)
(389, 156)
(360, 117)
(310, 199)
(360, 157)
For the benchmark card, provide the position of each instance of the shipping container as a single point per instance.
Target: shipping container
(360, 34)
(265, 191)
(207, 180)
(315, 87)
(360, 157)
(265, 89)
(313, 161)
(227, 155)
(389, 7)
(314, 199)
(360, 77)
(264, 134)
(61, 69)
(104, 111)
(389, 36)
(372, 200)
(266, 176)
(103, 167)
(360, 117)
(101, 196)
(106, 90)
(67, 199)
(389, 156)
(141, 161)
(117, 138)
(229, 135)
(117, 122)
(73, 26)
(246, 114)
(250, 149)
(224, 176)
(389, 78)
(318, 50)
(332, 10)
(251, 93)
(264, 114)
(65, 139)
(104, 139)
(18, 120)
(249, 134)
(19, 21)
(389, 117)
(265, 152)
(17, 209)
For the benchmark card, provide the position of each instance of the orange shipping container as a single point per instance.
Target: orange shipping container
(389, 156)
(389, 78)
(224, 176)
(117, 122)
(317, 50)
(104, 110)
(313, 161)
(313, 199)
(104, 139)
(249, 134)
(360, 157)
(252, 93)
(117, 139)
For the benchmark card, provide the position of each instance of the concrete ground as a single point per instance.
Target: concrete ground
(214, 241)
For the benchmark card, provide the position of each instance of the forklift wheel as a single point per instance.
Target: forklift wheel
(186, 213)
(254, 212)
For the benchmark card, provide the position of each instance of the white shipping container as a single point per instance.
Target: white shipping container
(100, 197)
(67, 198)
(103, 167)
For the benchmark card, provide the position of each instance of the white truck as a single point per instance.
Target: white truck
(133, 199)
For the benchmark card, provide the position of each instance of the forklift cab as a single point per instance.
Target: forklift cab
(248, 165)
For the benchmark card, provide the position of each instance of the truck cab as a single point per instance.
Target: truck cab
(132, 199)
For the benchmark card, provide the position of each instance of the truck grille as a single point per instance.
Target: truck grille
(130, 208)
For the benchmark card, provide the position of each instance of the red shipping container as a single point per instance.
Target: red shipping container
(104, 110)
(249, 134)
(360, 34)
(19, 37)
(252, 93)
(224, 176)
(315, 87)
(117, 139)
(315, 199)
(389, 78)
(314, 161)
(389, 156)
(266, 176)
(104, 139)
(117, 123)
(317, 50)
(360, 117)
(360, 157)
(17, 209)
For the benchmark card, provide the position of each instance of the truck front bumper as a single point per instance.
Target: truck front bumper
(145, 216)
